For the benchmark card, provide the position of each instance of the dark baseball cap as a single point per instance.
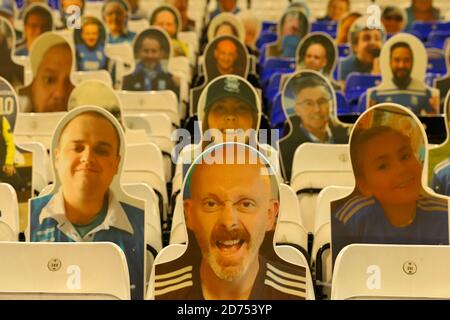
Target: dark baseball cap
(230, 86)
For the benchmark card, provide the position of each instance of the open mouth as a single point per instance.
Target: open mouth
(406, 183)
(230, 246)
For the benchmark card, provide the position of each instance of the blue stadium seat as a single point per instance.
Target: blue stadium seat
(344, 50)
(328, 27)
(264, 38)
(422, 29)
(430, 77)
(262, 56)
(268, 26)
(277, 117)
(356, 84)
(442, 26)
(273, 87)
(436, 39)
(436, 61)
(272, 65)
(335, 71)
(362, 101)
(342, 105)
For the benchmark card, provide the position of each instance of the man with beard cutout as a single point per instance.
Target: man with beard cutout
(407, 91)
(230, 203)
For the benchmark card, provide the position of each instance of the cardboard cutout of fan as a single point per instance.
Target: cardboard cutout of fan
(52, 63)
(230, 202)
(389, 204)
(86, 201)
(291, 29)
(404, 62)
(16, 163)
(151, 71)
(309, 109)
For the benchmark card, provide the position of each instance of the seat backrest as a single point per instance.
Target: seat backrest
(138, 25)
(42, 172)
(144, 157)
(436, 61)
(334, 167)
(37, 127)
(329, 27)
(9, 213)
(180, 64)
(144, 163)
(368, 271)
(147, 102)
(123, 53)
(342, 105)
(324, 199)
(153, 232)
(357, 83)
(289, 229)
(178, 232)
(94, 8)
(154, 124)
(158, 130)
(49, 270)
(344, 50)
(101, 75)
(189, 37)
(309, 176)
(320, 252)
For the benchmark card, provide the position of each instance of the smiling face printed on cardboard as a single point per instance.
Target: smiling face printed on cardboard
(389, 204)
(90, 45)
(96, 93)
(152, 48)
(167, 18)
(393, 19)
(115, 15)
(309, 105)
(88, 152)
(230, 107)
(91, 34)
(302, 89)
(317, 52)
(229, 220)
(404, 62)
(225, 55)
(37, 19)
(226, 24)
(16, 164)
(366, 43)
(9, 70)
(51, 62)
(439, 164)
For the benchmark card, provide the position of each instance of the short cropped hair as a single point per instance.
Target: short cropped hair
(304, 82)
(96, 115)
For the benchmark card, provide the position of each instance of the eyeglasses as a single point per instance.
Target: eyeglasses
(309, 104)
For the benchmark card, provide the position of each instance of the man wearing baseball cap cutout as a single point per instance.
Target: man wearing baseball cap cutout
(229, 110)
(230, 106)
